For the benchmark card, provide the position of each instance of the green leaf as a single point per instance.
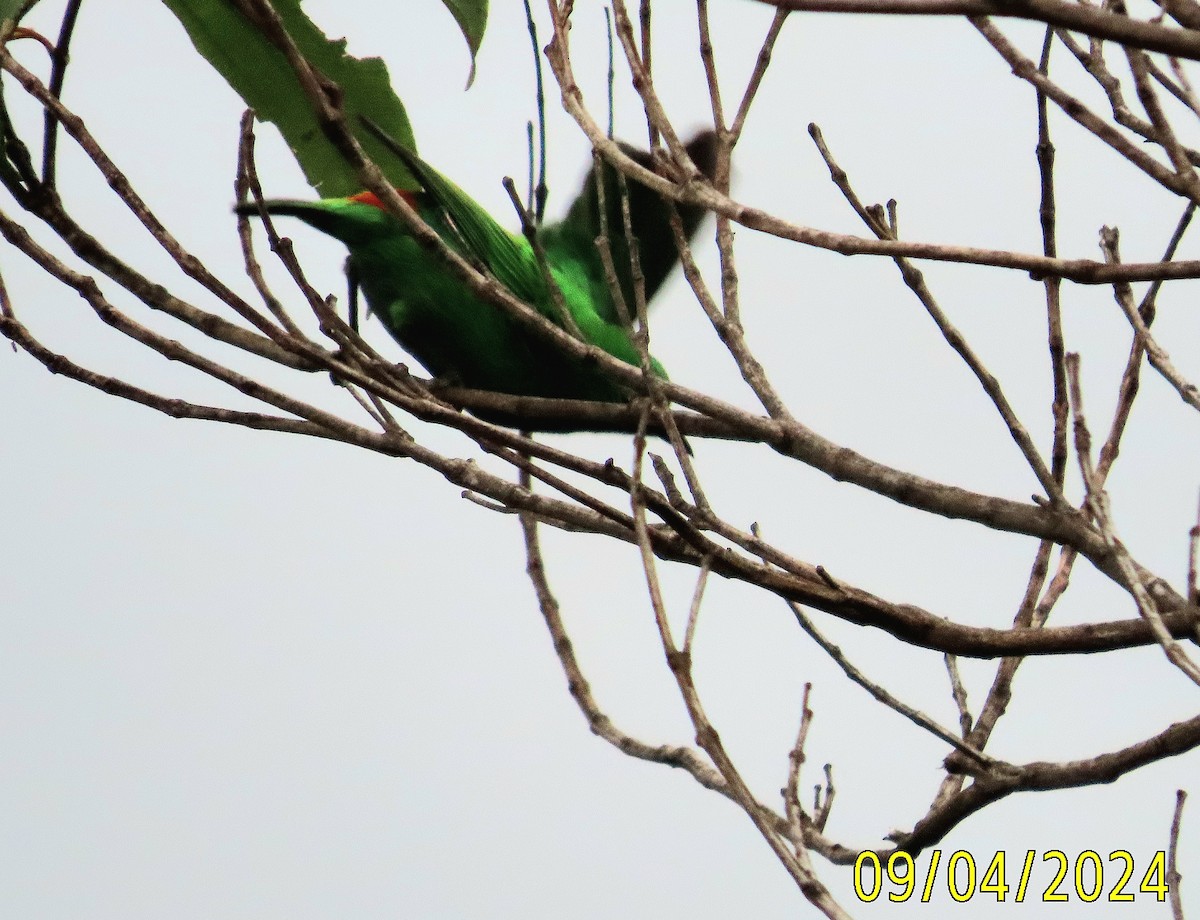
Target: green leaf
(13, 10)
(471, 16)
(260, 74)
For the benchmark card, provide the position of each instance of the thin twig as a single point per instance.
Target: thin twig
(1155, 353)
(913, 715)
(1193, 586)
(959, 692)
(1080, 113)
(1047, 217)
(577, 684)
(1173, 877)
(246, 187)
(915, 280)
(1098, 503)
(1092, 60)
(710, 67)
(540, 192)
(1164, 134)
(761, 63)
(791, 791)
(1131, 377)
(1083, 271)
(119, 182)
(58, 74)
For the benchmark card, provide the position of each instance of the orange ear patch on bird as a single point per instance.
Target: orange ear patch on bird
(372, 199)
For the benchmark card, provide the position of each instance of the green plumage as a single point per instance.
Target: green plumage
(458, 337)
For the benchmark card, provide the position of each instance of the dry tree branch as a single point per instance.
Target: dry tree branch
(906, 622)
(1144, 342)
(1100, 23)
(1090, 541)
(14, 330)
(1097, 500)
(1173, 877)
(1177, 84)
(792, 439)
(991, 787)
(1193, 587)
(1048, 220)
(1030, 614)
(1188, 94)
(959, 693)
(663, 525)
(915, 281)
(1164, 134)
(245, 185)
(46, 203)
(1184, 12)
(756, 77)
(710, 70)
(791, 790)
(1145, 311)
(1092, 60)
(823, 796)
(795, 859)
(641, 337)
(730, 325)
(693, 191)
(577, 684)
(58, 75)
(913, 715)
(684, 758)
(1081, 114)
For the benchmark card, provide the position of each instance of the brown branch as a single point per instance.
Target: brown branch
(756, 76)
(787, 436)
(12, 329)
(878, 692)
(902, 621)
(1083, 271)
(1134, 33)
(1193, 584)
(796, 861)
(791, 790)
(45, 203)
(915, 281)
(1097, 500)
(1024, 68)
(599, 722)
(1173, 877)
(1184, 12)
(1164, 134)
(1130, 384)
(247, 186)
(959, 693)
(1176, 739)
(1144, 342)
(1092, 60)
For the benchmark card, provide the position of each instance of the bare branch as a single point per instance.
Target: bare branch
(915, 281)
(1098, 503)
(855, 674)
(1173, 877)
(1101, 23)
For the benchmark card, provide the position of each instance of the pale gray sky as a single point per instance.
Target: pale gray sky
(244, 675)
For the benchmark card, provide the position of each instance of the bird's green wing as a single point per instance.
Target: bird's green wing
(508, 257)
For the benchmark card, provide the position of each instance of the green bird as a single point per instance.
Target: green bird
(459, 338)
